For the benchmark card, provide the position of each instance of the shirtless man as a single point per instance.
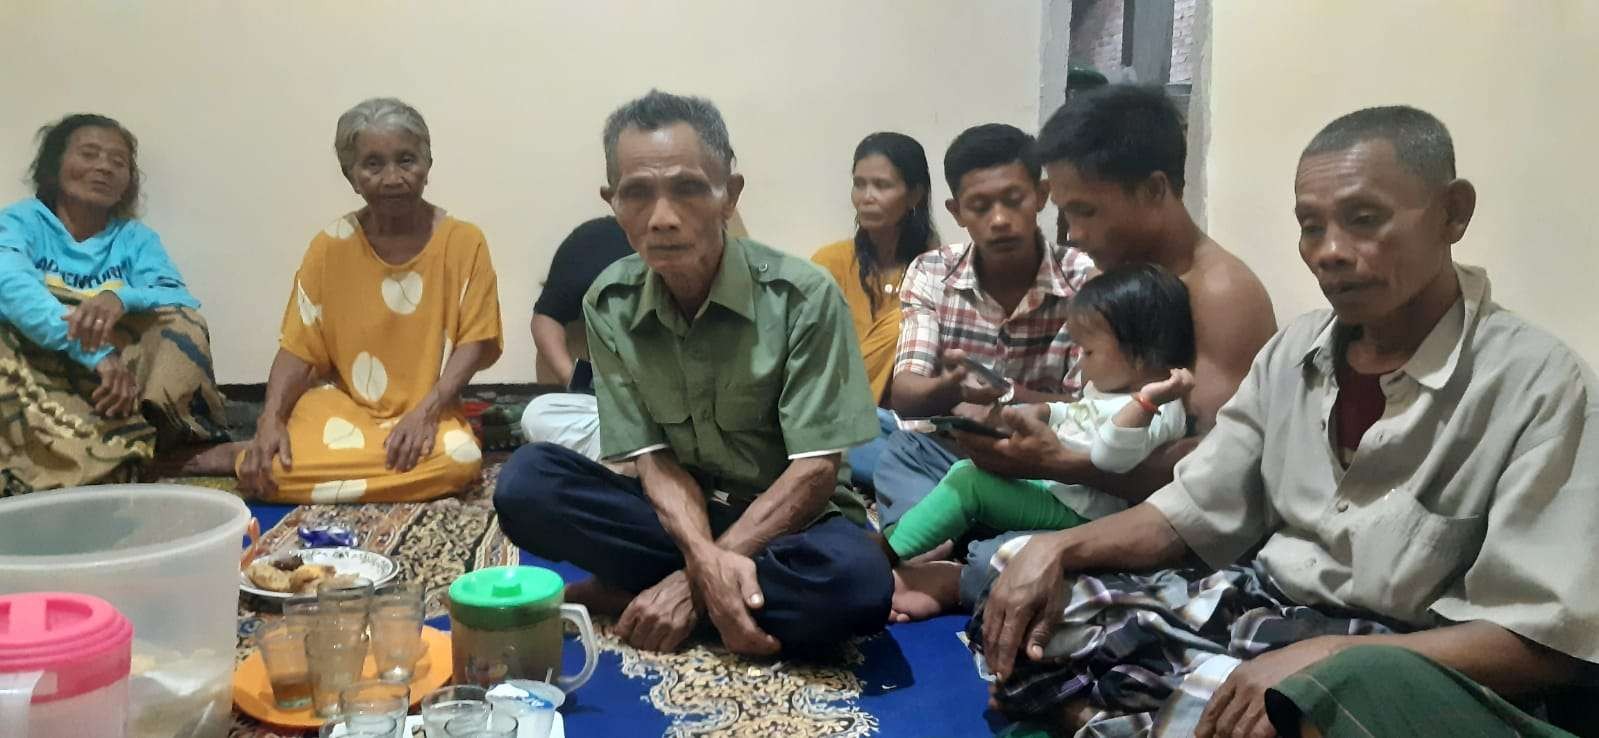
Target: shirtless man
(1122, 195)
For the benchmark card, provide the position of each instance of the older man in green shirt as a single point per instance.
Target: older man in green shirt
(730, 374)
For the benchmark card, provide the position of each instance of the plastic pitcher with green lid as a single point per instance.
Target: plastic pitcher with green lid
(505, 623)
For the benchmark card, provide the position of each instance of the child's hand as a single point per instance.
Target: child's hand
(1175, 387)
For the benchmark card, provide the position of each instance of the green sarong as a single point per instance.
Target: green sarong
(1380, 691)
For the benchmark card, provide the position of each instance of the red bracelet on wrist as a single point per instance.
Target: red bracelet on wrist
(1144, 403)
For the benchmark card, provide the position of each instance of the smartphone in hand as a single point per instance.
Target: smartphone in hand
(947, 423)
(984, 374)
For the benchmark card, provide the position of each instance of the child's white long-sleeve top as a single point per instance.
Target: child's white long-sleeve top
(1087, 426)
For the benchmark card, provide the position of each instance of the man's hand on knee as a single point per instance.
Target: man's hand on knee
(726, 583)
(662, 617)
(1238, 708)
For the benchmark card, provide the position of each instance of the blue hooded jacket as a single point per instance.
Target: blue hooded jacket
(37, 252)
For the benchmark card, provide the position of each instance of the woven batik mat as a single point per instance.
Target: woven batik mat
(708, 692)
(432, 542)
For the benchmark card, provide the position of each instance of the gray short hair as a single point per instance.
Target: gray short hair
(657, 110)
(1421, 142)
(381, 113)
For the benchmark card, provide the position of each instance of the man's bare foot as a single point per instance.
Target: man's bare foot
(216, 461)
(924, 589)
(600, 598)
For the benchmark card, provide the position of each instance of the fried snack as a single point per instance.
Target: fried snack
(343, 580)
(267, 576)
(305, 579)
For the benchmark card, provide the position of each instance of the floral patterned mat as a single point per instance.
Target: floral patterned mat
(708, 692)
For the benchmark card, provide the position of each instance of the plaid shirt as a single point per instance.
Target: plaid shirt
(944, 308)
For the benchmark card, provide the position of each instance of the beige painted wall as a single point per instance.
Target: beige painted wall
(234, 104)
(1514, 81)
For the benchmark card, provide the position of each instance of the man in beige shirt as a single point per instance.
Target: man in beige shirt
(1415, 468)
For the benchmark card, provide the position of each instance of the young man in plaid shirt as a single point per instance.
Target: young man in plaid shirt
(999, 299)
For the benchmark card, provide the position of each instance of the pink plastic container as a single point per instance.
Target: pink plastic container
(64, 662)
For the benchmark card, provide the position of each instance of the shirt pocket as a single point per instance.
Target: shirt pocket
(668, 409)
(1405, 555)
(747, 405)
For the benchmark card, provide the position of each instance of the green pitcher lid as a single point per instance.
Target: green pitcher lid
(505, 596)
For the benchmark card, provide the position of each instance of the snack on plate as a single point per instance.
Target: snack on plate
(305, 579)
(266, 576)
(343, 580)
(290, 574)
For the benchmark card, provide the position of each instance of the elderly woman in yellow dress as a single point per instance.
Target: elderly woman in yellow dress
(393, 310)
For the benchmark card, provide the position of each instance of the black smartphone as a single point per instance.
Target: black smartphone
(986, 375)
(948, 423)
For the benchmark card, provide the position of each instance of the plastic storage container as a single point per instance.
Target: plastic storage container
(63, 666)
(167, 557)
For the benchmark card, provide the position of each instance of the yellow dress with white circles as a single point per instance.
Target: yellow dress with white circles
(380, 334)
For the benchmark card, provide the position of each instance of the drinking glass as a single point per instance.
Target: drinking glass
(376, 697)
(493, 725)
(282, 648)
(347, 597)
(396, 628)
(336, 659)
(361, 726)
(448, 703)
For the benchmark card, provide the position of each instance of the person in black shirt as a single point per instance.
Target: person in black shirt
(591, 247)
(570, 419)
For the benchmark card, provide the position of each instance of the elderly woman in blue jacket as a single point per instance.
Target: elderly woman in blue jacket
(104, 357)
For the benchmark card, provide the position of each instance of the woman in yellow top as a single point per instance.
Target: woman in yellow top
(891, 192)
(394, 308)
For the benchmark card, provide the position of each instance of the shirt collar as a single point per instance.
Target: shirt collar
(1052, 273)
(1434, 362)
(1051, 277)
(963, 276)
(733, 288)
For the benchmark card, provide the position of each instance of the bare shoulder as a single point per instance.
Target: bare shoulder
(1219, 282)
(1233, 319)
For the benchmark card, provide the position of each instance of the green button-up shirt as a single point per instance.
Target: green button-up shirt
(769, 371)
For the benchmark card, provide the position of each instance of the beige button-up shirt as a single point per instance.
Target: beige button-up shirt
(1474, 497)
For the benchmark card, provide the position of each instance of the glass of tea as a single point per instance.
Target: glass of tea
(282, 648)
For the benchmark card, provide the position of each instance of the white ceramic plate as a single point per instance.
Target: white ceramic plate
(374, 566)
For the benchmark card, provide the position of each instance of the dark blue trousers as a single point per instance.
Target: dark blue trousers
(822, 585)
